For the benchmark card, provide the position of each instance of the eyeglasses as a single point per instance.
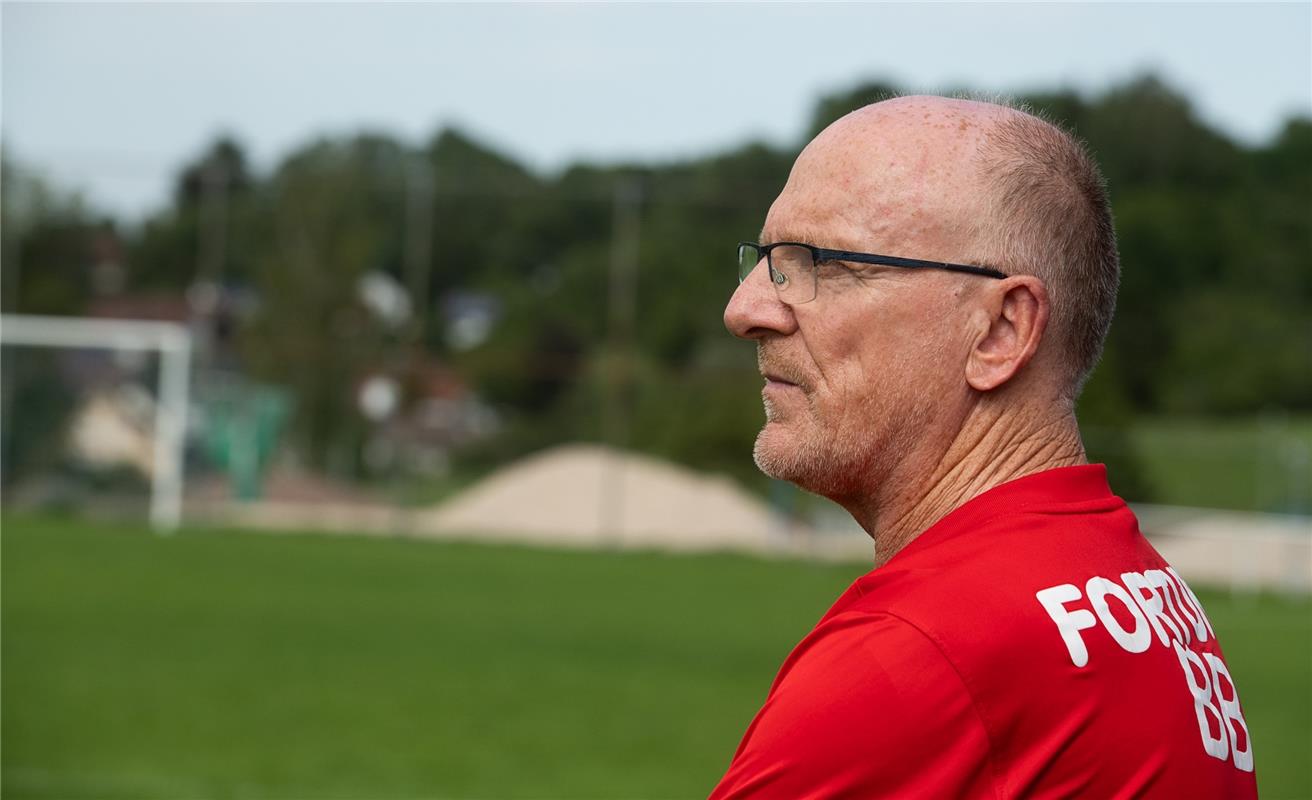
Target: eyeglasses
(793, 266)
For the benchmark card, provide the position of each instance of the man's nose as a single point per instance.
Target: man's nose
(755, 310)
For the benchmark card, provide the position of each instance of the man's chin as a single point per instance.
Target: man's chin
(784, 455)
(777, 456)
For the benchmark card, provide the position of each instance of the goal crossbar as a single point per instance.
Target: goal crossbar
(173, 342)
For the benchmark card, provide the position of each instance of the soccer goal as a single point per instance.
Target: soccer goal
(162, 445)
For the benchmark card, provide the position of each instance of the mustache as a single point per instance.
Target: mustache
(770, 363)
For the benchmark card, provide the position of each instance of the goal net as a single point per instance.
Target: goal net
(95, 397)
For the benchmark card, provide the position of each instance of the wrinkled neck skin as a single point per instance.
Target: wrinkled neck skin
(994, 444)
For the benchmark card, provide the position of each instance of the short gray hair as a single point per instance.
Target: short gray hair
(1049, 216)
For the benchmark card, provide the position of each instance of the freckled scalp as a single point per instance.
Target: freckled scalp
(895, 177)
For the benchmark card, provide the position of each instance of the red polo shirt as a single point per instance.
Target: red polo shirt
(1029, 644)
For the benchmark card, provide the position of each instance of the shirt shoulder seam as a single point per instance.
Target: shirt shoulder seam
(998, 778)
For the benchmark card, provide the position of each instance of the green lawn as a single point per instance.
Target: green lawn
(224, 665)
(1249, 463)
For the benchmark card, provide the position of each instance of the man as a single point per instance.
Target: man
(1018, 637)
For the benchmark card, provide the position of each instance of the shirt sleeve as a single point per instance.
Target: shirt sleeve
(865, 706)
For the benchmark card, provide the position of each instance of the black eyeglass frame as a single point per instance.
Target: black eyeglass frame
(821, 254)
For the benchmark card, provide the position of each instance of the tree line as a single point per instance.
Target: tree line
(1213, 316)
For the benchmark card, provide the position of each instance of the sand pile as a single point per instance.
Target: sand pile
(588, 494)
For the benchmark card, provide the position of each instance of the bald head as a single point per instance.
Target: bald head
(905, 171)
(975, 182)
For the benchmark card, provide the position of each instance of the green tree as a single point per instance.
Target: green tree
(335, 211)
(49, 244)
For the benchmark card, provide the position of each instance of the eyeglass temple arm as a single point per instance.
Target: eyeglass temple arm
(820, 254)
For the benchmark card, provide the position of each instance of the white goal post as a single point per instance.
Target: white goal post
(173, 342)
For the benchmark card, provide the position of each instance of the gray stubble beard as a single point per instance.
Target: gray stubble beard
(825, 465)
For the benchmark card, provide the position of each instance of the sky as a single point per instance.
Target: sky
(111, 99)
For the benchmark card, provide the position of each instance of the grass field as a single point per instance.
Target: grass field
(1248, 463)
(231, 665)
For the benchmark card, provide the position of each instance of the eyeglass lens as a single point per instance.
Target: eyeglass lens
(748, 258)
(792, 270)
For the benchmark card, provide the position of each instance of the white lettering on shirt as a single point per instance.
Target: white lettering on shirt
(1160, 602)
(1135, 641)
(1202, 625)
(1243, 758)
(1069, 623)
(1160, 581)
(1200, 686)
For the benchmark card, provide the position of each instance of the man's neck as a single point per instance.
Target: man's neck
(992, 448)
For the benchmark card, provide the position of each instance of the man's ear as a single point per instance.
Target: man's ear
(1016, 314)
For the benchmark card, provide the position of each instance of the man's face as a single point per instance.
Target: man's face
(868, 370)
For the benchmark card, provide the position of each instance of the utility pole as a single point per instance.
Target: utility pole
(622, 304)
(214, 222)
(211, 257)
(419, 182)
